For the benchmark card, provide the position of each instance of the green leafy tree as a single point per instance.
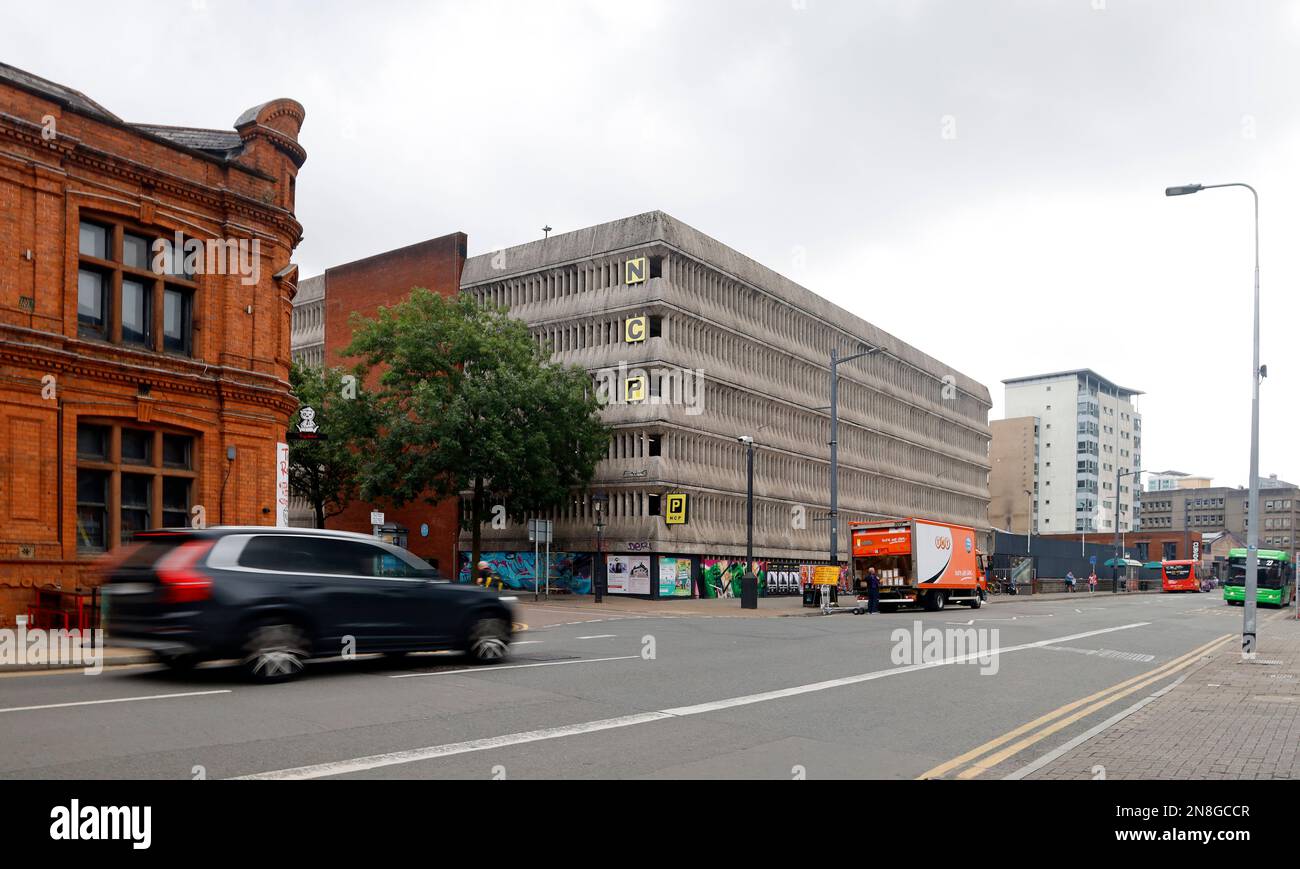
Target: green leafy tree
(327, 473)
(471, 404)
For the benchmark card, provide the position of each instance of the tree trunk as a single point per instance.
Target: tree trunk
(476, 528)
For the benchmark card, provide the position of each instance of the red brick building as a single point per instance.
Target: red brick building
(323, 331)
(139, 390)
(1145, 545)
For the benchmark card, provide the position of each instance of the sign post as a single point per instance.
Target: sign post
(539, 532)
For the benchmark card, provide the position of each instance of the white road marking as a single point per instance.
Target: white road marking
(526, 643)
(115, 700)
(1140, 657)
(491, 669)
(363, 764)
(598, 637)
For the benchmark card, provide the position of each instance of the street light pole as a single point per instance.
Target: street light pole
(836, 362)
(748, 580)
(1248, 627)
(598, 577)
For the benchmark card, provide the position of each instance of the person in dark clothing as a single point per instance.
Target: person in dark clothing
(873, 591)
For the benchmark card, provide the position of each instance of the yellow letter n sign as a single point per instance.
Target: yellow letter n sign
(636, 271)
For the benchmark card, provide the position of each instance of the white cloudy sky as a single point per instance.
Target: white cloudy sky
(809, 135)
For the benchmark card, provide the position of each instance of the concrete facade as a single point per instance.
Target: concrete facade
(307, 330)
(732, 348)
(1088, 427)
(1013, 455)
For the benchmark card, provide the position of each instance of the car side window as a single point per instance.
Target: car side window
(281, 554)
(392, 566)
(349, 558)
(327, 556)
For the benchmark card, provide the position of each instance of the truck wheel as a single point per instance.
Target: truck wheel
(977, 602)
(935, 601)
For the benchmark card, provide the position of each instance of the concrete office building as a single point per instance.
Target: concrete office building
(307, 329)
(728, 347)
(1088, 426)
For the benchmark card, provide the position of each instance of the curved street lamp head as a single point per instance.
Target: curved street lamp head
(1184, 190)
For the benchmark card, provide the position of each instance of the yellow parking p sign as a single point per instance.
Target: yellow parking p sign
(634, 389)
(677, 511)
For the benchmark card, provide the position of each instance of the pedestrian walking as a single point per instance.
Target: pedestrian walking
(873, 591)
(1092, 582)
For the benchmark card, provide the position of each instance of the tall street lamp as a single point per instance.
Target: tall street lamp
(748, 581)
(598, 578)
(836, 362)
(1257, 373)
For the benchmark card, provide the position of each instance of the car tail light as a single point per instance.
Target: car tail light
(181, 581)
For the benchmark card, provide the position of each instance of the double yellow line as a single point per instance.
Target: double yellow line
(990, 754)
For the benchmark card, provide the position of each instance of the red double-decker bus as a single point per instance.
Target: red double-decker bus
(1179, 576)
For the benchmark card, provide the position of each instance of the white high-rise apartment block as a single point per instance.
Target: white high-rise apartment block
(1089, 427)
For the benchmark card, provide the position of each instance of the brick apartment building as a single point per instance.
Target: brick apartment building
(136, 391)
(321, 331)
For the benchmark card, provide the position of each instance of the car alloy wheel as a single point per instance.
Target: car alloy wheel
(275, 652)
(489, 641)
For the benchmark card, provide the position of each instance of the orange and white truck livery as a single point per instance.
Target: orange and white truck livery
(918, 561)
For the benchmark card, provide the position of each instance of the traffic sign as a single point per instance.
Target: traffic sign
(677, 509)
(540, 530)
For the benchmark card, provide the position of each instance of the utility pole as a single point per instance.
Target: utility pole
(1257, 373)
(748, 580)
(836, 362)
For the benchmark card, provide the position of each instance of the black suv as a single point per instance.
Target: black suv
(273, 597)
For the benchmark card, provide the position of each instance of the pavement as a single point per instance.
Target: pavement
(1228, 717)
(627, 691)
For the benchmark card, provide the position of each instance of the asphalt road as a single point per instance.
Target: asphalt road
(822, 697)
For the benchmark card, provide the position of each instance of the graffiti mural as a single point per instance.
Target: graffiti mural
(569, 571)
(720, 577)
